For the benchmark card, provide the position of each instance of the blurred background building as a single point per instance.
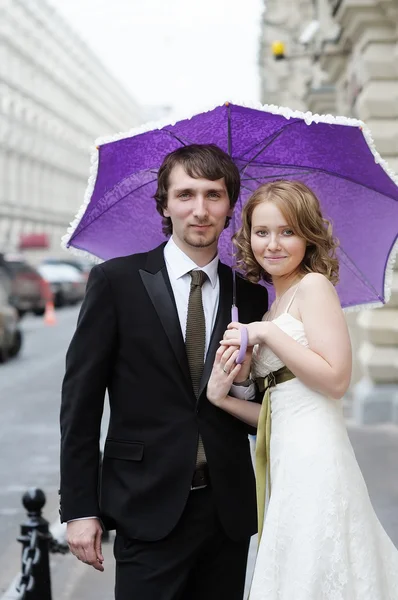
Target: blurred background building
(341, 57)
(56, 98)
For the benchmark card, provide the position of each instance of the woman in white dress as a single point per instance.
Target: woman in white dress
(320, 538)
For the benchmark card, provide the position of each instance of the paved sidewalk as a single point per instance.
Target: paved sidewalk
(377, 453)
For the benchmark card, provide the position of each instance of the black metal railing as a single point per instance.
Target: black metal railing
(34, 582)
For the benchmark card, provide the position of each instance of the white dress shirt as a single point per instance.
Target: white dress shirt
(178, 266)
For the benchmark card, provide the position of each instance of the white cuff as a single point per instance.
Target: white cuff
(242, 392)
(81, 519)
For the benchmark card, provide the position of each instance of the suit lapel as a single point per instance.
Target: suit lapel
(157, 284)
(222, 319)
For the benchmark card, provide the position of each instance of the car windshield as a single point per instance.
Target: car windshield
(59, 272)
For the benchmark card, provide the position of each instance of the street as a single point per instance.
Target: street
(29, 433)
(29, 447)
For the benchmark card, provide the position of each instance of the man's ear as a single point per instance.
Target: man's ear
(166, 212)
(230, 212)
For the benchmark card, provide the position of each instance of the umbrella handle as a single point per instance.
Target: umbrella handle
(243, 336)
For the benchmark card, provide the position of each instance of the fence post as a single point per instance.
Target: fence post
(35, 538)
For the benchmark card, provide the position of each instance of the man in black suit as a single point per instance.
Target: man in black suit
(176, 481)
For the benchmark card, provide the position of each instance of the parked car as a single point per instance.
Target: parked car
(67, 283)
(29, 291)
(84, 266)
(10, 334)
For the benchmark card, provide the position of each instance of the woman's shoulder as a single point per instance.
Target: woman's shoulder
(317, 287)
(315, 281)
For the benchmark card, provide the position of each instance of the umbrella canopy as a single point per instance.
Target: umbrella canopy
(334, 156)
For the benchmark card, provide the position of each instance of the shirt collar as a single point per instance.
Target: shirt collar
(179, 264)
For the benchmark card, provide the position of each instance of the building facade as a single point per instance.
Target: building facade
(56, 98)
(341, 57)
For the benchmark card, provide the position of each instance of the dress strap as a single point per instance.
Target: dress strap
(293, 297)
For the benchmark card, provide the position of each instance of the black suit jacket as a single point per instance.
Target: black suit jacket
(128, 340)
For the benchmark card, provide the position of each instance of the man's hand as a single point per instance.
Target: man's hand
(225, 370)
(84, 539)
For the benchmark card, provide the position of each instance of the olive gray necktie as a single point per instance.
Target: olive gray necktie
(195, 342)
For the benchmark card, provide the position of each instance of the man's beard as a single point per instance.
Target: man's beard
(199, 241)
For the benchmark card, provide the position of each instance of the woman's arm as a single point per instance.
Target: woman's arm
(224, 372)
(244, 410)
(325, 365)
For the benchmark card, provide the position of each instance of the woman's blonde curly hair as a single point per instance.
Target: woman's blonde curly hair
(301, 209)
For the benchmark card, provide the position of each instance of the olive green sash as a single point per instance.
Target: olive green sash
(263, 465)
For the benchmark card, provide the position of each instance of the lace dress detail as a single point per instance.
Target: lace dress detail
(321, 539)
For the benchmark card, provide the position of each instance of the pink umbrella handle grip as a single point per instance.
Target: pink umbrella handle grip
(243, 345)
(234, 314)
(243, 336)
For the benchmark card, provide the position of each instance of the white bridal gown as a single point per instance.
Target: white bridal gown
(321, 539)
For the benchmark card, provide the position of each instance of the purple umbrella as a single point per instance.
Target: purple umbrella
(335, 156)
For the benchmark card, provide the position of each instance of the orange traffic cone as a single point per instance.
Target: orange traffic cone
(49, 314)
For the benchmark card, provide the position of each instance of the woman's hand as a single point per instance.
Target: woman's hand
(256, 333)
(224, 372)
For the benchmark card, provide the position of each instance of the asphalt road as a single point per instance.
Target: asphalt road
(29, 434)
(29, 450)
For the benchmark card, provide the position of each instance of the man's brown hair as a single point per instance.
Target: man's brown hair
(198, 160)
